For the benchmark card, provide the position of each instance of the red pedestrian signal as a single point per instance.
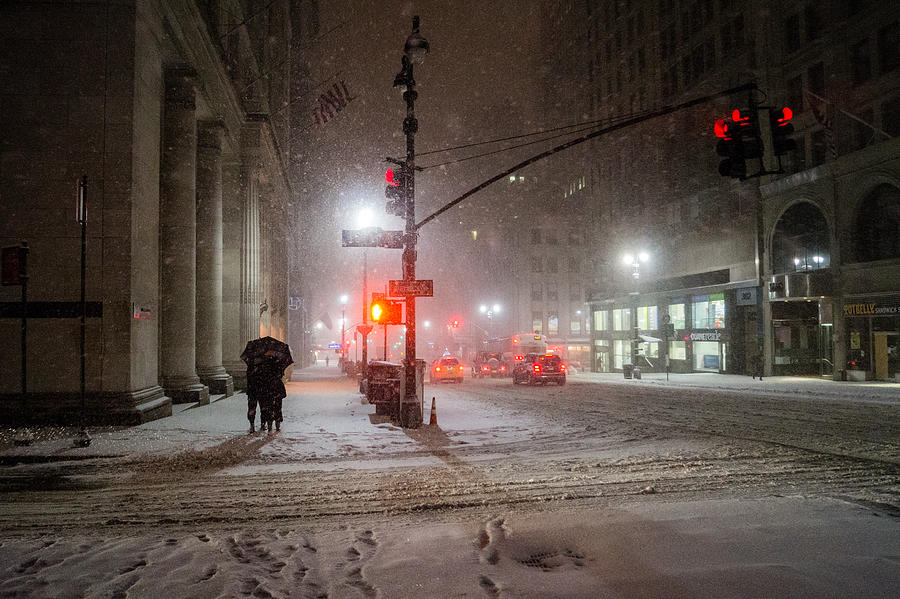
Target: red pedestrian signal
(389, 177)
(385, 311)
(397, 191)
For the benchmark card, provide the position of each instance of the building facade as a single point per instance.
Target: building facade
(174, 111)
(795, 271)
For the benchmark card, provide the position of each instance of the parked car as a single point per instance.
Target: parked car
(540, 368)
(446, 368)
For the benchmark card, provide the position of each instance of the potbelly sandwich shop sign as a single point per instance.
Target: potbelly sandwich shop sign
(872, 308)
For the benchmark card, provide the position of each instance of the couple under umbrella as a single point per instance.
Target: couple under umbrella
(266, 359)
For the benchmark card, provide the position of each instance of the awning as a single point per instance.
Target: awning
(649, 339)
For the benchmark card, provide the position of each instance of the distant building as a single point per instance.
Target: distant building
(800, 270)
(176, 111)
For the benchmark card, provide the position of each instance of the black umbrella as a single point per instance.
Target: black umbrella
(259, 351)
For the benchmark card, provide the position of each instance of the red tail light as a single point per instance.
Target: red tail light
(562, 367)
(536, 368)
(437, 368)
(485, 368)
(503, 369)
(519, 357)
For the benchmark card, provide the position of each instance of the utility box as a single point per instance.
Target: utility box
(383, 385)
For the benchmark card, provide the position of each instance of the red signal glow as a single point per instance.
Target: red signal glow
(389, 177)
(537, 368)
(721, 128)
(740, 117)
(783, 117)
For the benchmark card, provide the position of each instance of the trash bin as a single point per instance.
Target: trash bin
(628, 370)
(636, 373)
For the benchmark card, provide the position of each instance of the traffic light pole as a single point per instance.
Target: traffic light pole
(410, 416)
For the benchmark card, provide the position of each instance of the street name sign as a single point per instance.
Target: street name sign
(421, 288)
(371, 237)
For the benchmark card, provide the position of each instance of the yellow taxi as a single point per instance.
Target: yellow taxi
(446, 368)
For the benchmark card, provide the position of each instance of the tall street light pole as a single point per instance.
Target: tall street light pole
(414, 51)
(344, 300)
(635, 262)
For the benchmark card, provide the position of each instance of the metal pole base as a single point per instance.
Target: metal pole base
(82, 439)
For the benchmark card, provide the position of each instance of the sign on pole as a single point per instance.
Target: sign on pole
(421, 288)
(371, 237)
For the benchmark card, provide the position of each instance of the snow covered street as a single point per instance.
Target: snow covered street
(603, 487)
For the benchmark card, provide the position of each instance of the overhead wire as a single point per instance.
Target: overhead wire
(587, 126)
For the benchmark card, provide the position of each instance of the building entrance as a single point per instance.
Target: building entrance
(802, 347)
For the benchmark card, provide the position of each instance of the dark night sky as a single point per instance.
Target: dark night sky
(477, 83)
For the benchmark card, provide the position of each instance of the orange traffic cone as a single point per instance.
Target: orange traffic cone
(433, 421)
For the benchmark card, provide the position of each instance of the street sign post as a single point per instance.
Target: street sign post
(419, 288)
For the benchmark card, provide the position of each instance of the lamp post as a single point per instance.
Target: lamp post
(635, 261)
(489, 311)
(343, 300)
(363, 219)
(414, 51)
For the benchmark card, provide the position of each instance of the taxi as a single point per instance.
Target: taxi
(446, 368)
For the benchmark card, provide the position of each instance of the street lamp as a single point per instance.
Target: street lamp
(635, 261)
(343, 300)
(489, 311)
(414, 51)
(364, 219)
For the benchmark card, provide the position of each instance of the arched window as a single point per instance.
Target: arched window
(877, 233)
(801, 240)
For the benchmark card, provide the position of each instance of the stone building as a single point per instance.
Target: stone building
(798, 269)
(176, 113)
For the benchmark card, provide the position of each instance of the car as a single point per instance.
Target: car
(540, 368)
(488, 364)
(446, 368)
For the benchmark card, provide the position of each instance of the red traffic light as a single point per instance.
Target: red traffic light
(389, 177)
(741, 117)
(782, 116)
(722, 128)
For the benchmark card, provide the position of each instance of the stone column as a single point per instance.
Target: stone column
(209, 260)
(177, 241)
(233, 339)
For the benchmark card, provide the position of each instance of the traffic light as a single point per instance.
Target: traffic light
(739, 140)
(397, 190)
(455, 324)
(782, 129)
(385, 311)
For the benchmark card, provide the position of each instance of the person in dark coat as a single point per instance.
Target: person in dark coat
(266, 359)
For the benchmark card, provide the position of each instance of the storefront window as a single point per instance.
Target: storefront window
(601, 353)
(621, 319)
(552, 324)
(575, 326)
(677, 350)
(706, 356)
(537, 322)
(646, 318)
(708, 311)
(676, 314)
(651, 350)
(600, 320)
(621, 352)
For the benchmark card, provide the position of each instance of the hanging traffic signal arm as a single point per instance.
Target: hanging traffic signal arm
(626, 123)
